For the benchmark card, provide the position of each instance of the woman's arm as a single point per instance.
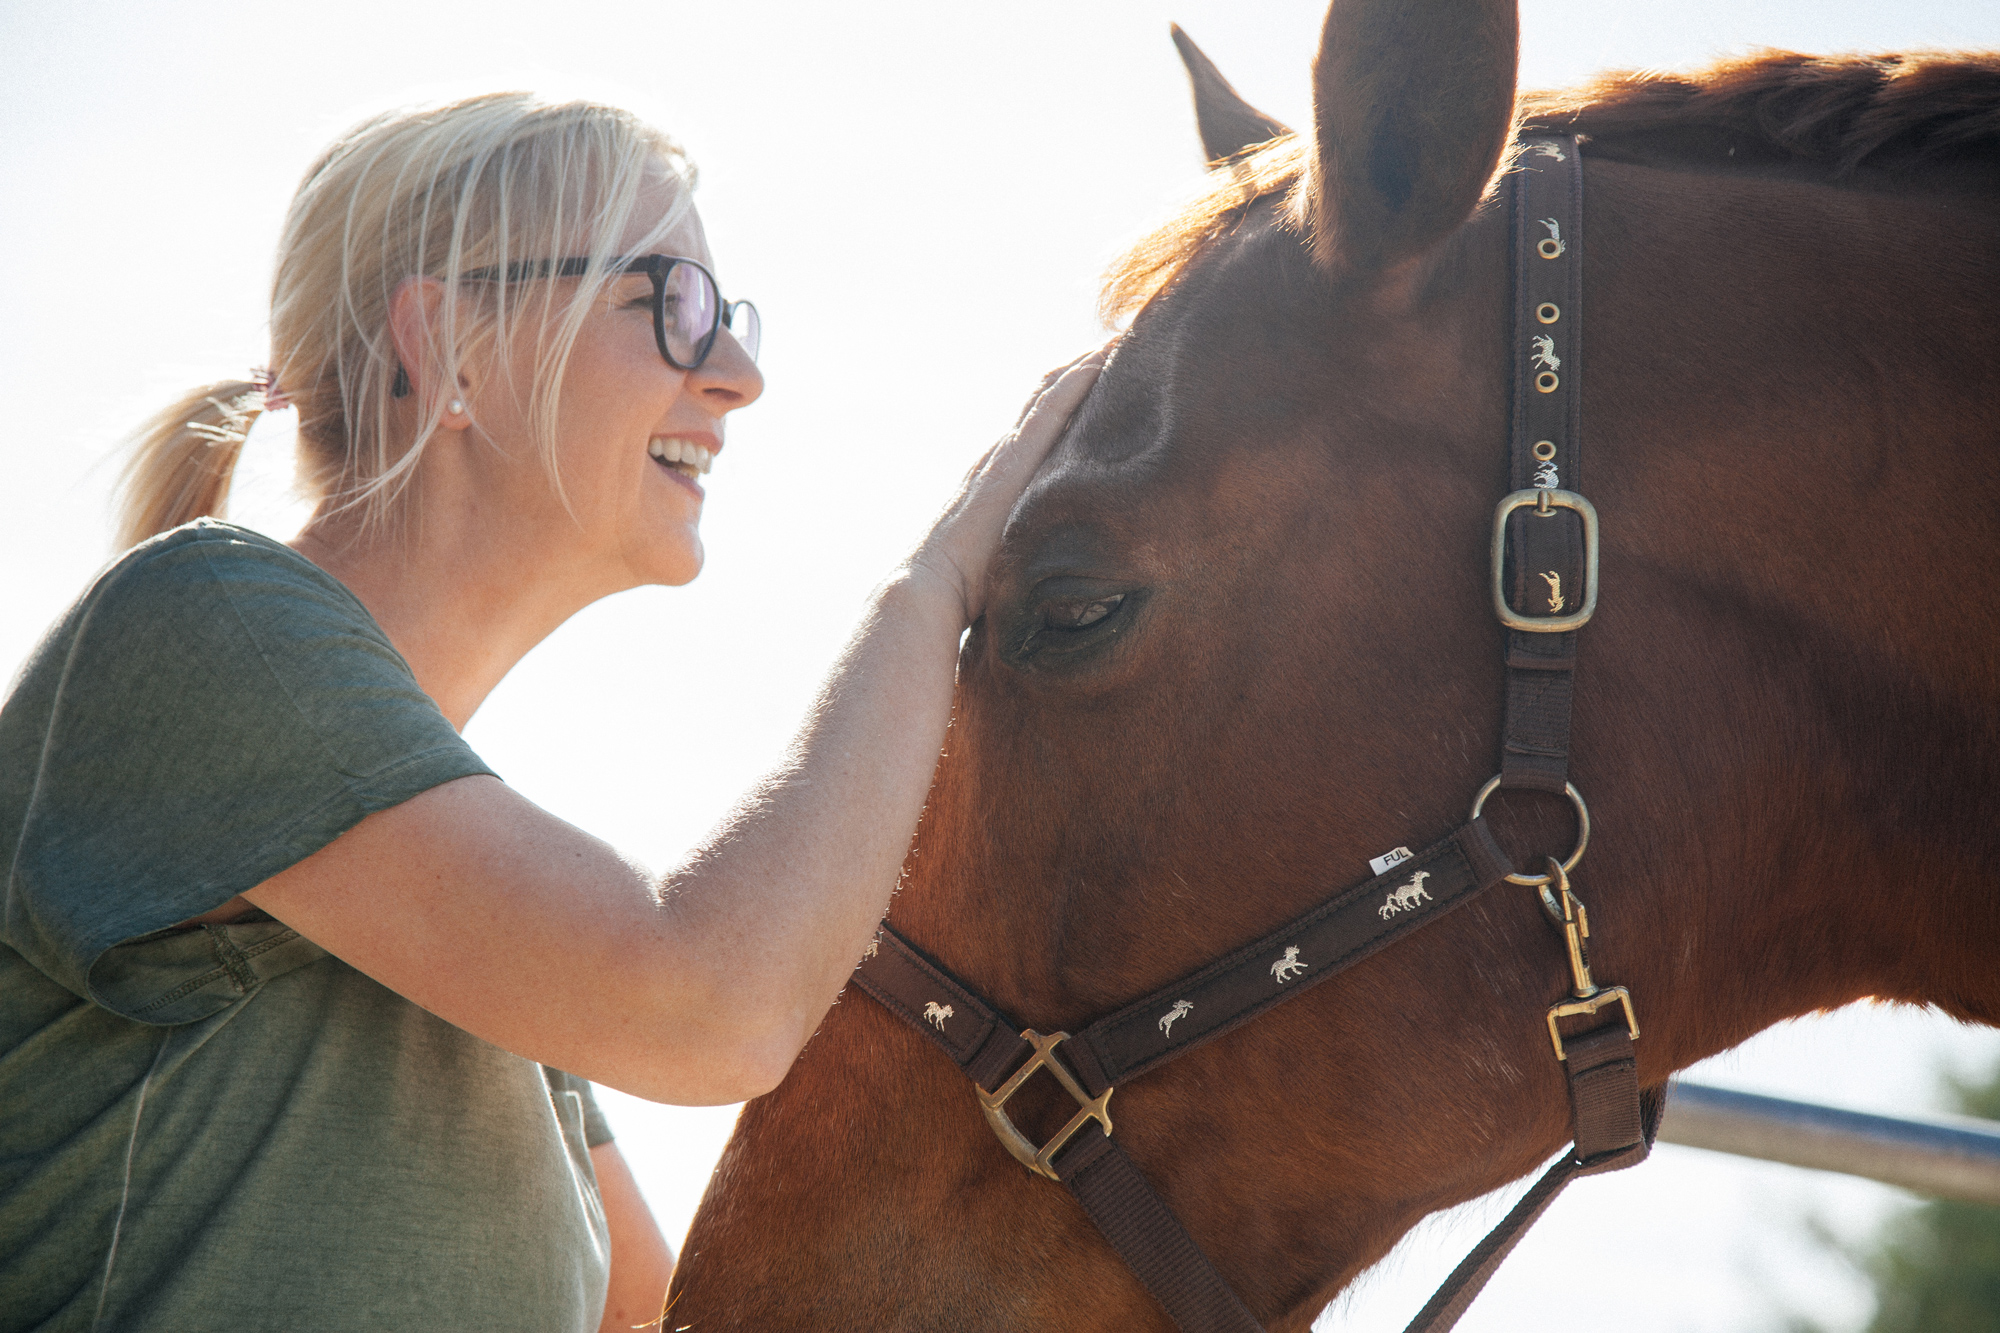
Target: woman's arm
(642, 1262)
(504, 920)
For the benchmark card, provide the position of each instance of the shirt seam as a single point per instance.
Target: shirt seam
(219, 942)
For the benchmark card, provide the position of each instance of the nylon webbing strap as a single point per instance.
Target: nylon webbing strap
(1604, 1104)
(1452, 1299)
(1614, 1124)
(935, 1003)
(1135, 1220)
(1545, 451)
(1334, 936)
(1329, 938)
(1107, 1183)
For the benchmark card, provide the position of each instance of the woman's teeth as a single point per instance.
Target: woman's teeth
(681, 455)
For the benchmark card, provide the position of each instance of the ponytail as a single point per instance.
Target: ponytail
(182, 460)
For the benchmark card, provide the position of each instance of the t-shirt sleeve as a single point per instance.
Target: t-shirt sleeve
(212, 711)
(596, 1129)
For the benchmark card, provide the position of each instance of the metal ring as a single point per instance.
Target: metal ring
(1549, 248)
(1548, 312)
(1546, 382)
(1582, 829)
(1545, 450)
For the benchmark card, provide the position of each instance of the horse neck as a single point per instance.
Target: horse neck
(1790, 418)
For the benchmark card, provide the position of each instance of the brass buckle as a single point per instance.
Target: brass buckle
(1545, 503)
(1570, 916)
(1602, 999)
(1091, 1108)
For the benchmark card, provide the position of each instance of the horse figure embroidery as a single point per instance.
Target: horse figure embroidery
(1553, 150)
(1555, 239)
(935, 1014)
(1545, 352)
(871, 950)
(1555, 582)
(1289, 966)
(1180, 1010)
(1407, 897)
(1546, 476)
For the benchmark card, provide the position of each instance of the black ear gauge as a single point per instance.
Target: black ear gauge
(401, 387)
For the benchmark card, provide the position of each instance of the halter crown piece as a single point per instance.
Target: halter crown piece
(1544, 586)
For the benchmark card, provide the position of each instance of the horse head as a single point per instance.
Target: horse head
(1237, 644)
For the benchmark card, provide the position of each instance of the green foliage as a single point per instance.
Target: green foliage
(1937, 1269)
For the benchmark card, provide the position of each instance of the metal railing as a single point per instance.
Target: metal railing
(1952, 1157)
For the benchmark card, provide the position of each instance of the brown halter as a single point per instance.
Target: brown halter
(1540, 561)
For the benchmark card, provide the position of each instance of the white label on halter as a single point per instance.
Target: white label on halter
(1380, 865)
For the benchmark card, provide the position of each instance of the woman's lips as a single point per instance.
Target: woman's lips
(683, 457)
(679, 477)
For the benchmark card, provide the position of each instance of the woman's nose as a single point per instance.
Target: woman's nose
(727, 379)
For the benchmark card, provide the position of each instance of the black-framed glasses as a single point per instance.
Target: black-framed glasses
(688, 309)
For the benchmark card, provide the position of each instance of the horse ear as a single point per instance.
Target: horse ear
(1413, 107)
(1228, 124)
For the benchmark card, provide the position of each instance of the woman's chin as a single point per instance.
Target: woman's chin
(676, 564)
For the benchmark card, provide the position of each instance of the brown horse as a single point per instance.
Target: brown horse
(1239, 643)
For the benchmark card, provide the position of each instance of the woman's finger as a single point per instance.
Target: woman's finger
(1055, 404)
(962, 543)
(1048, 412)
(1049, 380)
(1080, 374)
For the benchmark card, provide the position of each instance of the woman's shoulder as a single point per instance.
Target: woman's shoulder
(211, 711)
(208, 618)
(209, 559)
(208, 587)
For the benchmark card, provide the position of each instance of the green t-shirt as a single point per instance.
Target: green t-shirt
(225, 1127)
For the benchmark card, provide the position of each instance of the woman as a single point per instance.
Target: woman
(289, 975)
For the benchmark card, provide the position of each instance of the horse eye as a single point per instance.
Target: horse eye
(1080, 615)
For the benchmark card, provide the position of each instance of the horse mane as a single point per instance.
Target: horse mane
(1841, 114)
(1835, 115)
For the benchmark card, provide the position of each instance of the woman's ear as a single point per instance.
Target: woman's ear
(413, 312)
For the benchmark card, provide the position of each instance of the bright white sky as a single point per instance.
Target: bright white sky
(919, 197)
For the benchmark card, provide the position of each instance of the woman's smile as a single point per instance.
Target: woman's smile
(683, 457)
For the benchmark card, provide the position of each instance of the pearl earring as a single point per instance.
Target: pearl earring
(456, 407)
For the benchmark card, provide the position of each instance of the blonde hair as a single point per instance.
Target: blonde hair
(481, 184)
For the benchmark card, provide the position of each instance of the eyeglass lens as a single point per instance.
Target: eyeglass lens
(746, 326)
(688, 310)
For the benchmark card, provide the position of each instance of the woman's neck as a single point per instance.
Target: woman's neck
(461, 600)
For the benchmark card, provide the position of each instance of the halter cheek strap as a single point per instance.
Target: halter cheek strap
(1544, 589)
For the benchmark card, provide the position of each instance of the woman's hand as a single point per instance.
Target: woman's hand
(962, 542)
